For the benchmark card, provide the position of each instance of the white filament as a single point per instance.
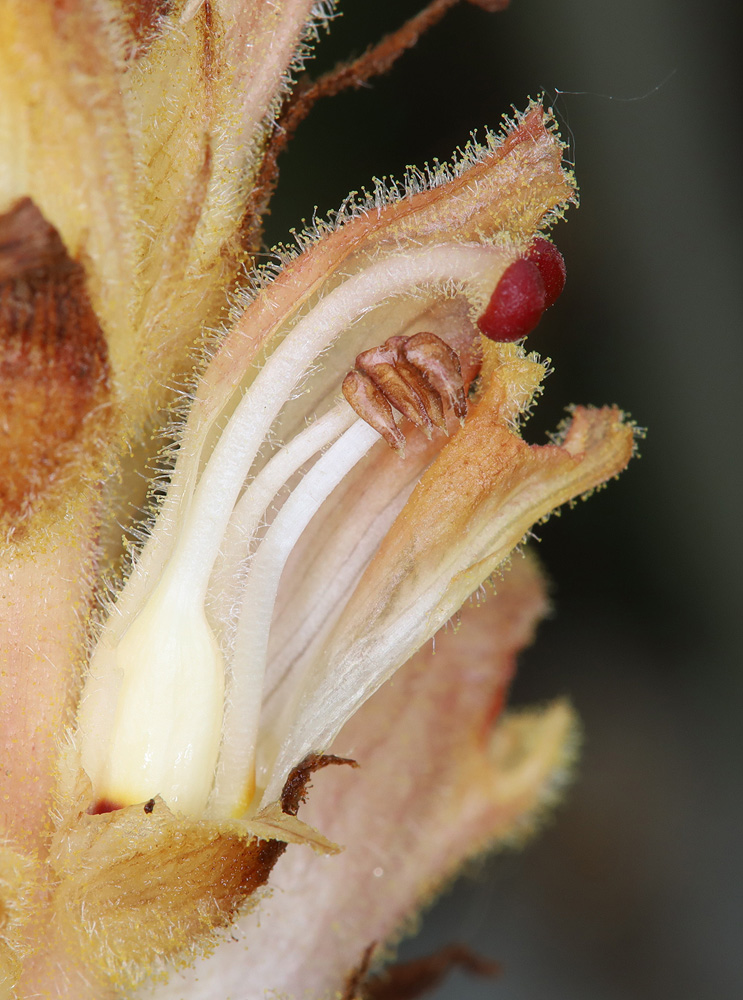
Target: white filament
(242, 711)
(251, 507)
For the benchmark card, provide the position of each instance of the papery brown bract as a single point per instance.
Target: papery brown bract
(143, 867)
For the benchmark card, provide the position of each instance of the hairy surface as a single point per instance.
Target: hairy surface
(54, 368)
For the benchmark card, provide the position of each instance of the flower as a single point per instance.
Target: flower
(294, 561)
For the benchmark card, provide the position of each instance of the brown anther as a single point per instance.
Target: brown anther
(413, 374)
(381, 365)
(372, 406)
(440, 365)
(415, 377)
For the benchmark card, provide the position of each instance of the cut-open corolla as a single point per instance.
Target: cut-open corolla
(295, 562)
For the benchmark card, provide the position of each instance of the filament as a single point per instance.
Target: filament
(249, 511)
(235, 774)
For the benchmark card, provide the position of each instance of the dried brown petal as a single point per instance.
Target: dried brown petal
(492, 6)
(410, 980)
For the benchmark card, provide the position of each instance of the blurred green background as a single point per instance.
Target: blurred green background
(634, 888)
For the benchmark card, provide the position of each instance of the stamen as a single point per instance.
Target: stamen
(379, 364)
(440, 364)
(431, 399)
(235, 783)
(415, 375)
(249, 511)
(372, 405)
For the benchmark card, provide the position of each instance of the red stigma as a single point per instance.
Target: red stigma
(551, 265)
(516, 305)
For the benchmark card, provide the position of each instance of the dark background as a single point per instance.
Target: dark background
(634, 888)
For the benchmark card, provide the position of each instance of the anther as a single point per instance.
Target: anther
(416, 375)
(440, 365)
(381, 365)
(372, 406)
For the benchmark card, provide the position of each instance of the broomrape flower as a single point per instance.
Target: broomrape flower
(349, 471)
